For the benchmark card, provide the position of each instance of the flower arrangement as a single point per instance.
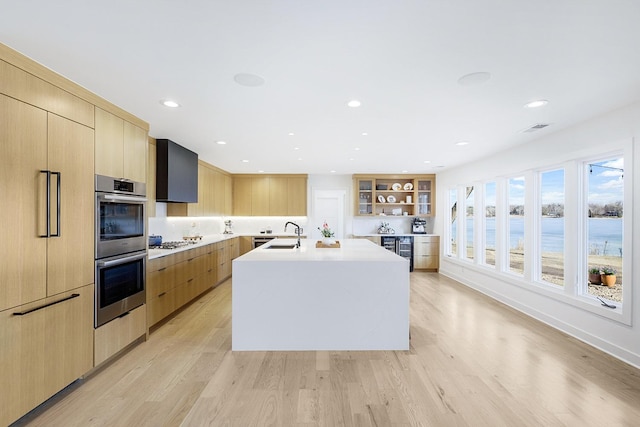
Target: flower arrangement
(608, 271)
(325, 230)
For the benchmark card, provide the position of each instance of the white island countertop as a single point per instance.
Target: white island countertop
(349, 250)
(355, 297)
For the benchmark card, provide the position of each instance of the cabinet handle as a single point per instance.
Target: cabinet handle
(48, 204)
(58, 205)
(162, 294)
(162, 269)
(190, 280)
(22, 313)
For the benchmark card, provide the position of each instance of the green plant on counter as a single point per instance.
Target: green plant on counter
(325, 230)
(594, 270)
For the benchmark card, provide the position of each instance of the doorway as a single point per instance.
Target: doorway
(328, 205)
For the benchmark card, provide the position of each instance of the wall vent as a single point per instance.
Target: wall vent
(536, 127)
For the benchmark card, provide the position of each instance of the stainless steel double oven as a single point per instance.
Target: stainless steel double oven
(121, 247)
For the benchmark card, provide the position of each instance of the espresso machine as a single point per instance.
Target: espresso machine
(227, 227)
(419, 226)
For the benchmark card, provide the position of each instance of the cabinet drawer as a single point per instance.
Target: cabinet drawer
(161, 306)
(44, 349)
(119, 333)
(160, 281)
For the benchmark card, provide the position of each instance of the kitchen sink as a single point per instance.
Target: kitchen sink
(276, 246)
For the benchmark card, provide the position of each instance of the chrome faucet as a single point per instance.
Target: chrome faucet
(298, 231)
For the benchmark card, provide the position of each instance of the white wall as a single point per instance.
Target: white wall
(613, 336)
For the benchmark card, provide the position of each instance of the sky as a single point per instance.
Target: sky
(604, 180)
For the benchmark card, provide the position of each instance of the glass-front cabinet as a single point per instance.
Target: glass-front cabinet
(365, 197)
(394, 195)
(424, 197)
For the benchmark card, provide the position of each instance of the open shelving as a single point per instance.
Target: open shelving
(394, 195)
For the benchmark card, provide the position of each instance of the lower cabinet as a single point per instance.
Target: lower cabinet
(44, 346)
(112, 337)
(175, 280)
(426, 253)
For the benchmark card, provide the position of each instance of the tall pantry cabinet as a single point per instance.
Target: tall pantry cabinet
(46, 223)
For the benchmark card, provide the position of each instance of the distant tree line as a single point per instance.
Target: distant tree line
(596, 210)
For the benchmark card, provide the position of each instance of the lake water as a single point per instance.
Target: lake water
(601, 230)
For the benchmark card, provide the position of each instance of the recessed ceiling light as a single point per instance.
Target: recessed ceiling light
(427, 161)
(537, 103)
(354, 103)
(474, 79)
(351, 159)
(333, 171)
(299, 158)
(221, 142)
(249, 80)
(357, 149)
(405, 171)
(296, 148)
(260, 171)
(439, 166)
(364, 134)
(169, 103)
(461, 143)
(291, 133)
(245, 161)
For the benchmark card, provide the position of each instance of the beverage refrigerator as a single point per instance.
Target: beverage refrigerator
(401, 245)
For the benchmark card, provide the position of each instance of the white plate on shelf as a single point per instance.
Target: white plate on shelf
(381, 199)
(391, 199)
(396, 186)
(408, 186)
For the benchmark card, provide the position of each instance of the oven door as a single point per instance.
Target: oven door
(120, 224)
(120, 285)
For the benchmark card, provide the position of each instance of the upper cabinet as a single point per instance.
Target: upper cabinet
(394, 195)
(121, 147)
(214, 194)
(270, 195)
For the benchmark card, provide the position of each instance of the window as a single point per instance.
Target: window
(453, 233)
(490, 223)
(551, 228)
(469, 222)
(604, 222)
(516, 225)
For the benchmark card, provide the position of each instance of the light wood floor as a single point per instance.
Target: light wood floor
(473, 362)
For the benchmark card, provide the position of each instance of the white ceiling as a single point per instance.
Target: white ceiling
(402, 59)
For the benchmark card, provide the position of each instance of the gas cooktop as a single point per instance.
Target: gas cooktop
(174, 245)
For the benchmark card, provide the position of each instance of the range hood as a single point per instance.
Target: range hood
(176, 173)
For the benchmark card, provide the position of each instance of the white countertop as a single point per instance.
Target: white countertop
(349, 250)
(213, 238)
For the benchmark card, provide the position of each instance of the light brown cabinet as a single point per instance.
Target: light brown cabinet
(175, 280)
(214, 188)
(270, 195)
(34, 267)
(114, 336)
(394, 195)
(426, 253)
(121, 147)
(44, 346)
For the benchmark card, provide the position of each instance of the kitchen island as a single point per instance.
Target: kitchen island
(355, 297)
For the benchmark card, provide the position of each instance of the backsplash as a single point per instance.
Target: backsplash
(175, 228)
(401, 225)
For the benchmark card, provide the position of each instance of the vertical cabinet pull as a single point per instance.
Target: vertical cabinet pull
(58, 204)
(48, 204)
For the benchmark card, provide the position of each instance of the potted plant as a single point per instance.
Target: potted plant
(608, 276)
(594, 276)
(327, 235)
